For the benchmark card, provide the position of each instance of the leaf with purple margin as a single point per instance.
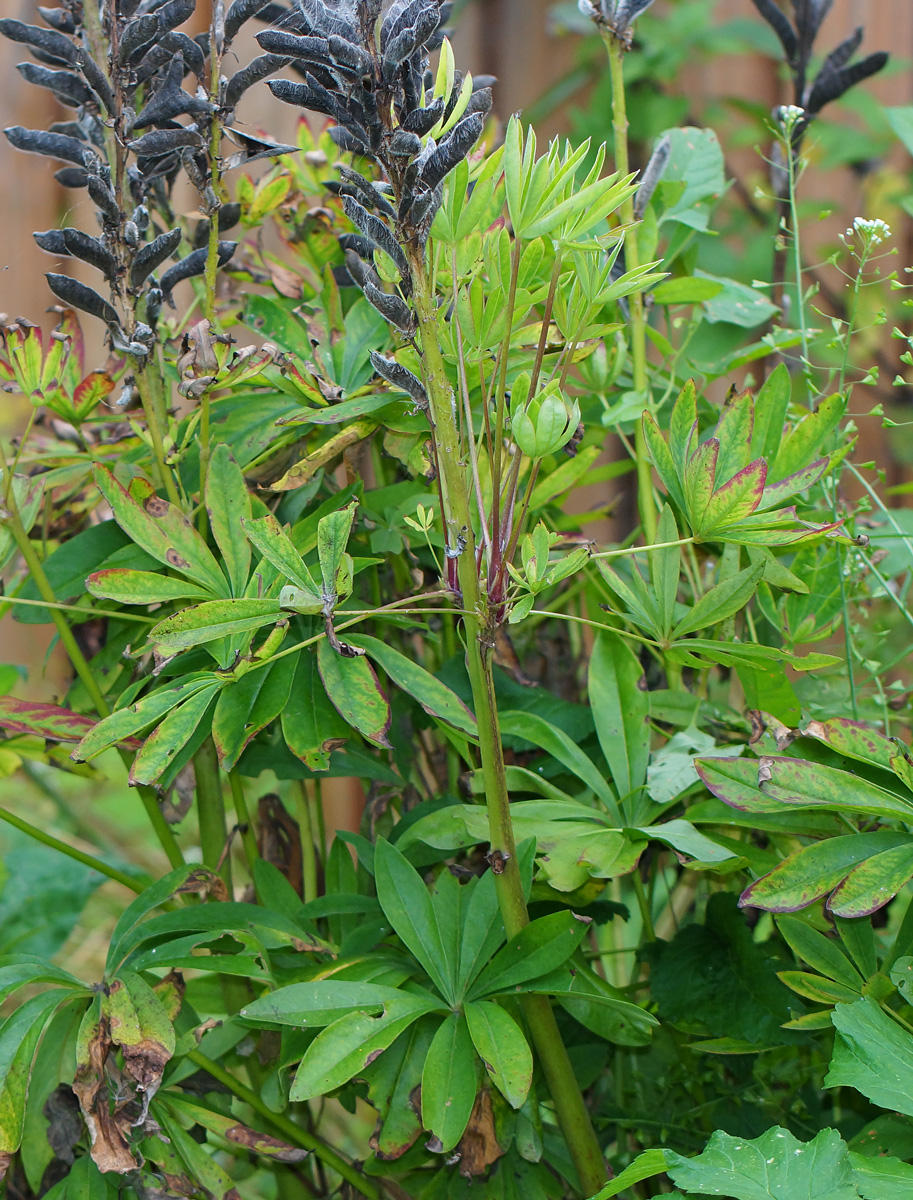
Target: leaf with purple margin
(873, 883)
(734, 432)
(699, 475)
(800, 481)
(734, 500)
(662, 459)
(853, 739)
(796, 781)
(816, 870)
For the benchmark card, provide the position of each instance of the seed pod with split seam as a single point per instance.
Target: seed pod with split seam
(77, 295)
(152, 255)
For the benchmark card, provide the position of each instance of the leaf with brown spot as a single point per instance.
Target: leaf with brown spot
(170, 991)
(5, 1160)
(478, 1147)
(147, 1038)
(50, 722)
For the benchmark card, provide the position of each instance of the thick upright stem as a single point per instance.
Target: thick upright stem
(211, 811)
(638, 323)
(455, 490)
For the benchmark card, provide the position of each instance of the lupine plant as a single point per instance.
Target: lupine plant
(624, 832)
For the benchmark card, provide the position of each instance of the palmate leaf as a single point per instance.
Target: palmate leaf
(872, 1054)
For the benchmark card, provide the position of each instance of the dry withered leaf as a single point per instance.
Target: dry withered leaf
(262, 1143)
(478, 1147)
(204, 882)
(109, 1148)
(279, 839)
(5, 1160)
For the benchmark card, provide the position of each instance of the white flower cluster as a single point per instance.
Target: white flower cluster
(874, 232)
(788, 116)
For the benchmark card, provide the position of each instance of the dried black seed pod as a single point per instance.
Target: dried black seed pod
(391, 308)
(164, 141)
(152, 255)
(229, 216)
(400, 377)
(376, 232)
(453, 149)
(193, 264)
(59, 19)
(52, 242)
(239, 12)
(53, 145)
(67, 87)
(174, 13)
(137, 35)
(77, 295)
(72, 177)
(404, 144)
(254, 72)
(97, 80)
(90, 250)
(54, 45)
(423, 120)
(103, 197)
(369, 194)
(179, 43)
(170, 100)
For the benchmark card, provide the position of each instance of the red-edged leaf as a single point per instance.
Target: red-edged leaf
(801, 481)
(699, 475)
(735, 500)
(91, 391)
(48, 721)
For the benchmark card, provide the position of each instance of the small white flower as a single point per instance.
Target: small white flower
(788, 116)
(875, 231)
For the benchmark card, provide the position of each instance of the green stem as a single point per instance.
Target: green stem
(797, 264)
(242, 813)
(163, 471)
(569, 1104)
(288, 1129)
(211, 812)
(638, 323)
(88, 860)
(308, 848)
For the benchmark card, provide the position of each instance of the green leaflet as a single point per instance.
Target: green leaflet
(200, 1165)
(503, 1049)
(620, 710)
(538, 948)
(163, 531)
(228, 505)
(168, 738)
(554, 741)
(645, 1166)
(135, 717)
(267, 536)
(335, 565)
(19, 1037)
(356, 694)
(345, 1048)
(210, 621)
(822, 953)
(248, 705)
(138, 909)
(449, 1081)
(320, 1002)
(408, 907)
(311, 726)
(435, 697)
(141, 587)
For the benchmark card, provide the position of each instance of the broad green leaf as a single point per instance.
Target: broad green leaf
(449, 1082)
(645, 1166)
(162, 530)
(202, 623)
(133, 718)
(541, 946)
(407, 906)
(345, 1048)
(722, 601)
(311, 726)
(696, 159)
(684, 838)
(268, 536)
(320, 1002)
(142, 587)
(822, 953)
(483, 930)
(554, 741)
(774, 1166)
(228, 505)
(356, 694)
(85, 1181)
(815, 870)
(170, 737)
(503, 1049)
(736, 303)
(249, 705)
(882, 1177)
(873, 1055)
(435, 697)
(620, 710)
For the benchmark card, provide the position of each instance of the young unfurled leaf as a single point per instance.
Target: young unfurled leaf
(352, 686)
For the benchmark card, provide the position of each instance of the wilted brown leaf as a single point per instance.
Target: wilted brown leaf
(262, 1143)
(478, 1147)
(109, 1148)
